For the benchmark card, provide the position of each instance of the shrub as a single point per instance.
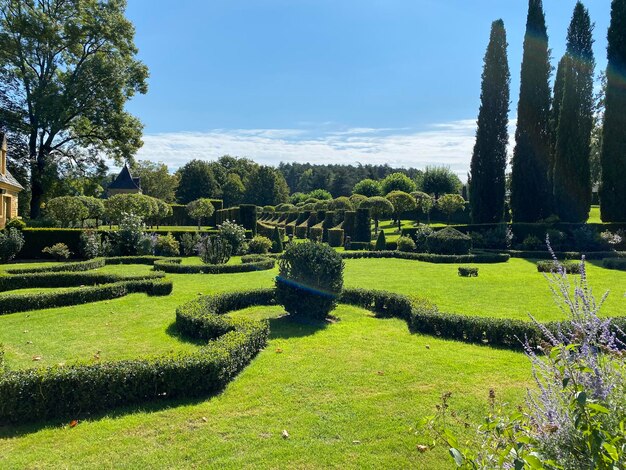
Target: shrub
(468, 271)
(500, 237)
(449, 241)
(15, 223)
(587, 238)
(277, 241)
(125, 242)
(58, 251)
(614, 263)
(420, 236)
(166, 245)
(235, 236)
(533, 243)
(335, 237)
(214, 250)
(406, 244)
(147, 244)
(571, 267)
(66, 210)
(189, 242)
(89, 244)
(450, 203)
(381, 243)
(557, 238)
(310, 280)
(259, 245)
(11, 243)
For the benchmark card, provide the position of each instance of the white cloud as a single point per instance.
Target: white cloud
(441, 144)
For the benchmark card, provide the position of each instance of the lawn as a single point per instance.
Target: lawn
(347, 394)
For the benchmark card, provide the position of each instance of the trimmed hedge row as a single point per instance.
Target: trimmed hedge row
(64, 267)
(26, 302)
(614, 263)
(567, 255)
(174, 266)
(571, 267)
(81, 389)
(430, 257)
(67, 279)
(147, 260)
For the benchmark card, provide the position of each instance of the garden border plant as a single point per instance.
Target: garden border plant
(174, 266)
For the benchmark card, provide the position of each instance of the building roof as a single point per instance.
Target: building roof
(125, 180)
(8, 178)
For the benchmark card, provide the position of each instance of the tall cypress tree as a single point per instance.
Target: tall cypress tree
(487, 170)
(530, 188)
(555, 113)
(572, 176)
(613, 158)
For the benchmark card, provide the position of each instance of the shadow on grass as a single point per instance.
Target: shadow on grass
(286, 327)
(174, 332)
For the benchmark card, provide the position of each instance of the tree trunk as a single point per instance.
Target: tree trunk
(36, 176)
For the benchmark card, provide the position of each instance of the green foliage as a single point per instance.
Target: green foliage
(379, 207)
(357, 200)
(68, 391)
(234, 235)
(126, 241)
(381, 243)
(277, 241)
(402, 202)
(489, 158)
(531, 198)
(90, 244)
(450, 203)
(613, 187)
(15, 223)
(468, 271)
(397, 182)
(424, 203)
(200, 209)
(572, 176)
(175, 266)
(266, 185)
(531, 242)
(486, 258)
(335, 237)
(570, 267)
(94, 206)
(11, 243)
(310, 280)
(449, 241)
(156, 180)
(319, 195)
(66, 210)
(362, 226)
(76, 266)
(614, 263)
(341, 204)
(214, 250)
(368, 188)
(438, 180)
(188, 243)
(67, 72)
(406, 245)
(58, 251)
(196, 181)
(259, 245)
(166, 245)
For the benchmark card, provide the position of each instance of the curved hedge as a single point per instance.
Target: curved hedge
(74, 266)
(13, 303)
(430, 257)
(84, 388)
(174, 266)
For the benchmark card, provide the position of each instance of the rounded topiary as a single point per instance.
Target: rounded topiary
(310, 280)
(406, 245)
(449, 241)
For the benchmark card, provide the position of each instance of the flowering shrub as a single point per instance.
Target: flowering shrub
(406, 244)
(89, 244)
(576, 416)
(235, 236)
(259, 245)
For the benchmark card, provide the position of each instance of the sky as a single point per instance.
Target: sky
(327, 81)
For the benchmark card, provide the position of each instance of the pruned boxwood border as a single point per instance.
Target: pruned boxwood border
(174, 266)
(562, 255)
(430, 257)
(85, 388)
(75, 266)
(614, 263)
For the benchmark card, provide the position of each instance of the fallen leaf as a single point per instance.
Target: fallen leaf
(380, 372)
(428, 346)
(422, 448)
(37, 358)
(73, 423)
(285, 434)
(278, 350)
(204, 418)
(356, 442)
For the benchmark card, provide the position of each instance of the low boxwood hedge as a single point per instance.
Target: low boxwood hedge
(174, 266)
(147, 259)
(12, 303)
(565, 255)
(430, 257)
(74, 266)
(571, 267)
(81, 389)
(614, 263)
(68, 279)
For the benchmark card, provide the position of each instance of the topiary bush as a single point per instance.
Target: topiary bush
(277, 241)
(468, 271)
(259, 245)
(449, 241)
(335, 237)
(310, 280)
(571, 267)
(406, 244)
(11, 243)
(381, 242)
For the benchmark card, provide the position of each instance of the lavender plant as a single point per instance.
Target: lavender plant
(575, 417)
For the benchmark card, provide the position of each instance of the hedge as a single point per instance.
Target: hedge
(25, 302)
(81, 389)
(571, 267)
(64, 267)
(614, 263)
(567, 255)
(174, 266)
(335, 237)
(483, 258)
(66, 279)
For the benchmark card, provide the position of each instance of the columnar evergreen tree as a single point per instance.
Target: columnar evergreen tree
(572, 177)
(555, 113)
(530, 189)
(489, 160)
(613, 158)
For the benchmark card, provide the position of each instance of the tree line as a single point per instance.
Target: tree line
(565, 139)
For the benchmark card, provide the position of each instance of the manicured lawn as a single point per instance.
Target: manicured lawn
(347, 394)
(594, 215)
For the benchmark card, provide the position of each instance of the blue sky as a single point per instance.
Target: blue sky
(370, 81)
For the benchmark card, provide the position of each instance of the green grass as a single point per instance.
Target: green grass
(594, 215)
(347, 394)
